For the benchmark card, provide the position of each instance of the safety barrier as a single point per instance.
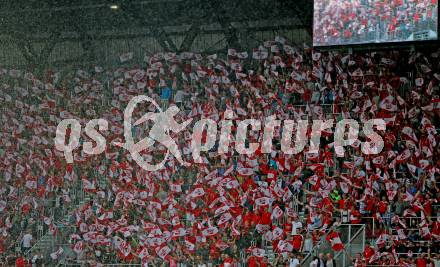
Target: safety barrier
(48, 242)
(353, 239)
(354, 242)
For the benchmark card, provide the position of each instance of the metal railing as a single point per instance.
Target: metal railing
(355, 244)
(347, 238)
(47, 242)
(413, 221)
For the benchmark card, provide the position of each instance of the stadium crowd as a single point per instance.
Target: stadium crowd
(230, 208)
(359, 21)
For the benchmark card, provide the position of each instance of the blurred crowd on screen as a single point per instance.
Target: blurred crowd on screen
(363, 21)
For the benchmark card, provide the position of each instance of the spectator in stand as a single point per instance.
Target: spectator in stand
(20, 261)
(330, 262)
(26, 241)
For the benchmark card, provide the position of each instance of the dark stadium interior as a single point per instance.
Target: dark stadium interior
(51, 22)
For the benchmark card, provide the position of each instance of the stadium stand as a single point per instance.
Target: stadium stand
(231, 210)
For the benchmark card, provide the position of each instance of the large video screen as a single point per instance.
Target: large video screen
(342, 22)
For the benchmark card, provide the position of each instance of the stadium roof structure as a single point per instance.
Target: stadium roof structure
(36, 28)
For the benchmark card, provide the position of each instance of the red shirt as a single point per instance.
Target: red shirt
(271, 176)
(287, 228)
(264, 168)
(255, 219)
(265, 218)
(249, 182)
(369, 205)
(230, 261)
(347, 34)
(247, 218)
(297, 242)
(355, 217)
(382, 207)
(428, 208)
(369, 252)
(26, 208)
(20, 262)
(173, 263)
(252, 262)
(436, 228)
(421, 262)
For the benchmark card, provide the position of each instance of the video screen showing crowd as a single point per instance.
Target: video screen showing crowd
(341, 22)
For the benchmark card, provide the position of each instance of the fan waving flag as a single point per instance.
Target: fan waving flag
(162, 252)
(335, 241)
(258, 252)
(79, 247)
(277, 212)
(57, 253)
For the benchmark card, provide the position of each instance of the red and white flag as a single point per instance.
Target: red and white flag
(260, 54)
(276, 212)
(198, 192)
(284, 246)
(401, 234)
(57, 253)
(335, 241)
(124, 248)
(163, 251)
(242, 55)
(176, 188)
(258, 252)
(245, 171)
(408, 133)
(224, 219)
(262, 201)
(403, 156)
(144, 254)
(210, 231)
(383, 238)
(31, 184)
(412, 169)
(232, 52)
(179, 232)
(277, 233)
(378, 161)
(79, 247)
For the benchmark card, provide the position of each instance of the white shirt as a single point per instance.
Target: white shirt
(308, 245)
(34, 260)
(329, 263)
(293, 262)
(295, 226)
(178, 97)
(26, 240)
